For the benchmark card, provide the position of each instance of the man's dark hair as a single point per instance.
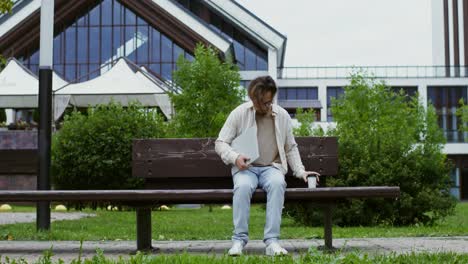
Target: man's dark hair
(260, 86)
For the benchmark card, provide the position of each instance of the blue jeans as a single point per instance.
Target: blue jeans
(272, 181)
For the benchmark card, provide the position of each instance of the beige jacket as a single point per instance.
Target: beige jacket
(242, 118)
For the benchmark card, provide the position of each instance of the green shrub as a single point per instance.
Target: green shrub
(386, 140)
(462, 113)
(93, 151)
(305, 128)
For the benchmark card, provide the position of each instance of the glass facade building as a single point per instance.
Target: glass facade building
(106, 32)
(249, 55)
(298, 93)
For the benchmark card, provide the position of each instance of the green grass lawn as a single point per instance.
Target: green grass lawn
(199, 224)
(311, 257)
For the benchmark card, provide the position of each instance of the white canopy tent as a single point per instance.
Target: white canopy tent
(163, 100)
(120, 84)
(19, 88)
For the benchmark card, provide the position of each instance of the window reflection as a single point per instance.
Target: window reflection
(106, 14)
(94, 16)
(82, 45)
(70, 38)
(93, 44)
(249, 56)
(166, 49)
(446, 103)
(298, 93)
(107, 32)
(106, 44)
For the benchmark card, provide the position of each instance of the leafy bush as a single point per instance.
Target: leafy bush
(462, 113)
(385, 139)
(305, 128)
(210, 91)
(93, 151)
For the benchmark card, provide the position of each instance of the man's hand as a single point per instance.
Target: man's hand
(311, 173)
(241, 162)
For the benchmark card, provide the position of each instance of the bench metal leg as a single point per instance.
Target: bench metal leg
(143, 217)
(327, 220)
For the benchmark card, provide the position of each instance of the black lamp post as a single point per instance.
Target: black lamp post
(45, 109)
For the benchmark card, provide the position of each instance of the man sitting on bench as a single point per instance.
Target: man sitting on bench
(276, 147)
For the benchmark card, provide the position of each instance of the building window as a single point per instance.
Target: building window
(445, 101)
(298, 93)
(105, 33)
(409, 91)
(332, 92)
(249, 55)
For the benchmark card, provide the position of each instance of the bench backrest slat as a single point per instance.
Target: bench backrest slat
(194, 164)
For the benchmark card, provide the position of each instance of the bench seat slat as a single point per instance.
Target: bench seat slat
(201, 195)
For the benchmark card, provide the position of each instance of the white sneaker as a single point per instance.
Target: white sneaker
(274, 249)
(236, 249)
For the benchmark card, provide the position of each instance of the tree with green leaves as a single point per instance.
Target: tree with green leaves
(5, 6)
(94, 151)
(306, 118)
(462, 113)
(384, 139)
(210, 90)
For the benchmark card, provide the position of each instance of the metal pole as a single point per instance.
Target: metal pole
(45, 109)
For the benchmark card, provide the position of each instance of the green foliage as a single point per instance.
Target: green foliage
(462, 113)
(306, 128)
(305, 118)
(387, 140)
(3, 116)
(5, 6)
(94, 151)
(210, 91)
(312, 256)
(3, 62)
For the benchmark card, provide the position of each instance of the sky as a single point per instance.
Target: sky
(350, 32)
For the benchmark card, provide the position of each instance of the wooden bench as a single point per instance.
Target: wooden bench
(189, 171)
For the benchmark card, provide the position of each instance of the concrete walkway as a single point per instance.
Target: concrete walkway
(14, 218)
(68, 250)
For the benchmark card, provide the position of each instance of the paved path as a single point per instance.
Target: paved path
(68, 250)
(12, 218)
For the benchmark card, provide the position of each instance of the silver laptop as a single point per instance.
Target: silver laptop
(247, 144)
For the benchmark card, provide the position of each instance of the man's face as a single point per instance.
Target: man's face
(263, 105)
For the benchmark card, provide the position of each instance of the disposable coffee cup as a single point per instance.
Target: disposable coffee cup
(312, 181)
